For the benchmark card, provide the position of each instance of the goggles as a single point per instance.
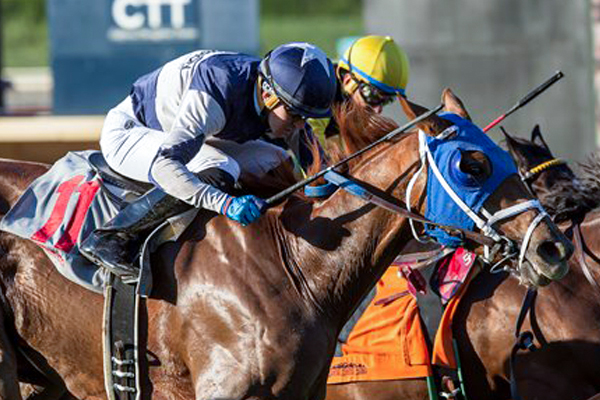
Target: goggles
(373, 96)
(294, 115)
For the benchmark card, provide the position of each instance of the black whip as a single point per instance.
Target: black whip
(285, 193)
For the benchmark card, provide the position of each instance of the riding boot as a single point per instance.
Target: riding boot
(115, 245)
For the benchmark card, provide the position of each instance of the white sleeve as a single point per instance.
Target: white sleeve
(199, 116)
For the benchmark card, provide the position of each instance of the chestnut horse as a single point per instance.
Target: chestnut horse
(567, 312)
(236, 312)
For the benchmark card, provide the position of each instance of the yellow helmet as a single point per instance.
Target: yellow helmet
(379, 61)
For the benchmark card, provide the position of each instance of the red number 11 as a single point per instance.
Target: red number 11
(86, 191)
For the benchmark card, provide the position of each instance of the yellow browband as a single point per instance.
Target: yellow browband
(543, 166)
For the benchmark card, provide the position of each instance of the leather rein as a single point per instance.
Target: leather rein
(358, 189)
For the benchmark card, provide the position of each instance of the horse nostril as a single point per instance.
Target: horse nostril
(554, 252)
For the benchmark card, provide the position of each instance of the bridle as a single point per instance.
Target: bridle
(530, 174)
(484, 220)
(580, 249)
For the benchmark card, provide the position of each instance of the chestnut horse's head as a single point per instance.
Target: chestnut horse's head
(473, 184)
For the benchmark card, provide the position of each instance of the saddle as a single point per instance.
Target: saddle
(113, 178)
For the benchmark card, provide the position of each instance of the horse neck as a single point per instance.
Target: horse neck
(590, 242)
(346, 245)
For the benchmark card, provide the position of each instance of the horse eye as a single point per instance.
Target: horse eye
(476, 164)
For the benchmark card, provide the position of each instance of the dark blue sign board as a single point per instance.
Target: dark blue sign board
(99, 47)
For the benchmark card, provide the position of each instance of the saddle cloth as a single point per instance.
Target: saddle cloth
(62, 207)
(386, 339)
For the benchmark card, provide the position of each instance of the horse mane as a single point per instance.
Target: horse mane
(572, 199)
(358, 128)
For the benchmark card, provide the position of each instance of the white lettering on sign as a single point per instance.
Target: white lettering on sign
(147, 20)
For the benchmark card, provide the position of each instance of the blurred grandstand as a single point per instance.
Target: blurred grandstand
(37, 59)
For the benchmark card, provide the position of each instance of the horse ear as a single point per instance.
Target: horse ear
(432, 125)
(514, 148)
(536, 136)
(454, 105)
(511, 143)
(507, 135)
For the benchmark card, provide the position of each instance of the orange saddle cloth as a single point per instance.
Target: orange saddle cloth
(388, 340)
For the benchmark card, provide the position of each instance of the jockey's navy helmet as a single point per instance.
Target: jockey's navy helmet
(302, 77)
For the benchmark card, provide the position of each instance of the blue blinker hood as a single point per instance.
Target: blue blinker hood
(446, 153)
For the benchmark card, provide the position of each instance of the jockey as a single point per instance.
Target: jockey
(195, 124)
(371, 74)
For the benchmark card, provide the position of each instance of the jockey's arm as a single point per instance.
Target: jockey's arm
(199, 116)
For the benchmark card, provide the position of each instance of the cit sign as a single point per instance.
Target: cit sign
(153, 20)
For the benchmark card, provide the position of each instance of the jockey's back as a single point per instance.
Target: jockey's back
(207, 86)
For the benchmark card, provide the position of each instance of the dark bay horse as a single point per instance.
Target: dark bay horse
(236, 313)
(565, 195)
(567, 312)
(573, 200)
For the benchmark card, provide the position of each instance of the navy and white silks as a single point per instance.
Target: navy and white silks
(196, 112)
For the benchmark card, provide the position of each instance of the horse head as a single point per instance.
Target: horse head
(537, 165)
(486, 194)
(565, 195)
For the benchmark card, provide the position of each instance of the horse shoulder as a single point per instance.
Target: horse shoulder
(226, 284)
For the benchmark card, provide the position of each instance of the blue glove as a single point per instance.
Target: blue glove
(243, 209)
